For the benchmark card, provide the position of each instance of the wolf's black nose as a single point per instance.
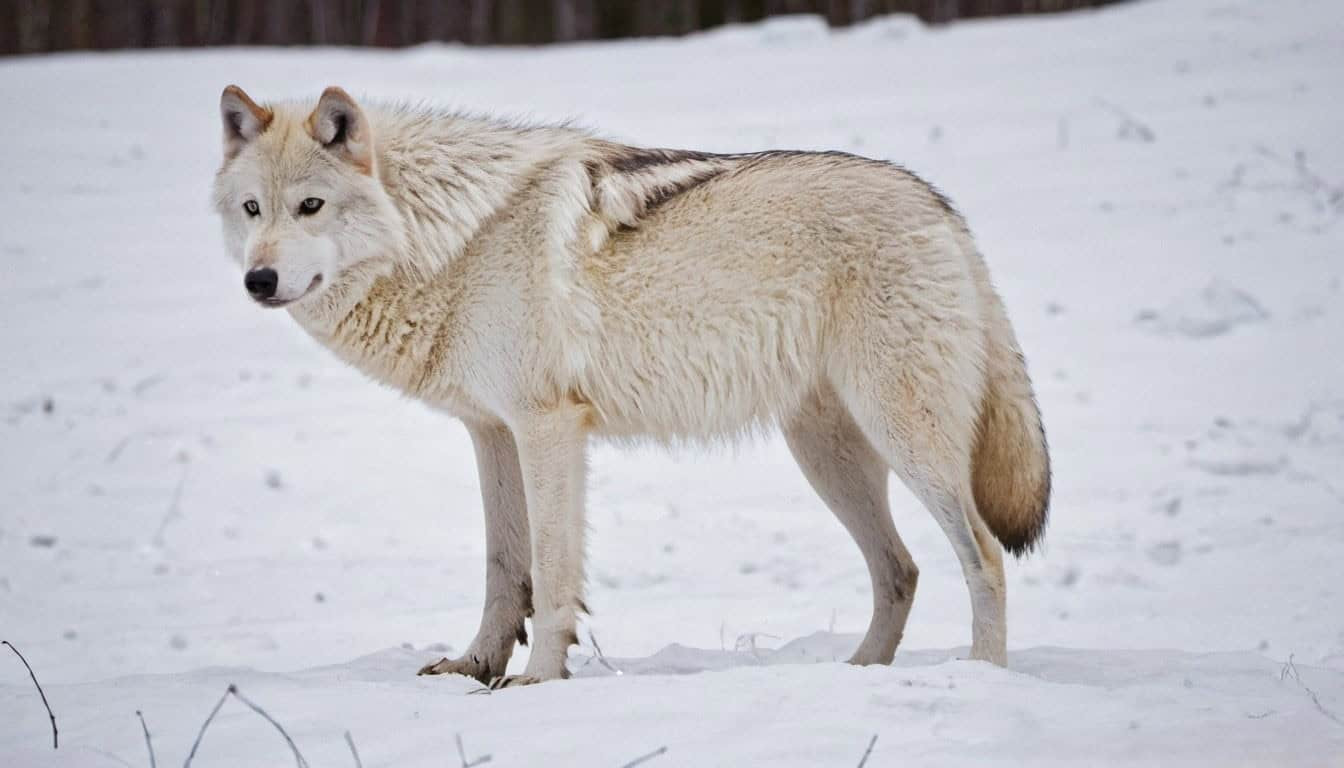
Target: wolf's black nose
(261, 283)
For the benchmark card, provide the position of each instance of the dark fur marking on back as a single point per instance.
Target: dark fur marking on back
(633, 159)
(660, 195)
(636, 159)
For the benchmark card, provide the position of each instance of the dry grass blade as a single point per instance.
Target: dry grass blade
(232, 690)
(148, 744)
(601, 657)
(1290, 671)
(864, 760)
(645, 758)
(201, 734)
(462, 754)
(174, 508)
(40, 692)
(354, 752)
(298, 758)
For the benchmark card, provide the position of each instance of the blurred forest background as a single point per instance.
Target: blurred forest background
(35, 26)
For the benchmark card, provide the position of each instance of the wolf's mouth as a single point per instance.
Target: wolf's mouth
(274, 303)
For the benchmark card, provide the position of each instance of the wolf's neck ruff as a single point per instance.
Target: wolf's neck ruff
(450, 179)
(448, 175)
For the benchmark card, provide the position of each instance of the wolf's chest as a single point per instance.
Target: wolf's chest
(410, 352)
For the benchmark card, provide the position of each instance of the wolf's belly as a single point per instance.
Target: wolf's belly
(694, 382)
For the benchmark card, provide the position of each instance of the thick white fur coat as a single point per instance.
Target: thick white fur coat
(544, 285)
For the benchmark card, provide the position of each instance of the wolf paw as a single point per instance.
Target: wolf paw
(513, 681)
(471, 666)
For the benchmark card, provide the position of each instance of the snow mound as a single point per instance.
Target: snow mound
(789, 706)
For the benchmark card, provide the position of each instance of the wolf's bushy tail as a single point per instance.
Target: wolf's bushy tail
(1010, 467)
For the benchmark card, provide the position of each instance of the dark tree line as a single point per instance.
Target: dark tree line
(32, 26)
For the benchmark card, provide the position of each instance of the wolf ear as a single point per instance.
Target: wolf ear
(340, 125)
(244, 120)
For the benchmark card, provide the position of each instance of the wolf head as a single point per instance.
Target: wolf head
(300, 196)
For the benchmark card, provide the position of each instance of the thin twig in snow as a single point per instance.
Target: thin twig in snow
(864, 760)
(1290, 670)
(174, 507)
(645, 758)
(148, 744)
(40, 692)
(233, 689)
(601, 657)
(462, 754)
(354, 752)
(201, 734)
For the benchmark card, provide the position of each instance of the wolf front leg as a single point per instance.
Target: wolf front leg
(551, 446)
(508, 578)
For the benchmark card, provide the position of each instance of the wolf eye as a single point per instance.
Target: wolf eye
(252, 208)
(310, 205)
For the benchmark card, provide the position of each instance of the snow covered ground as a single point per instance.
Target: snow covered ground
(193, 494)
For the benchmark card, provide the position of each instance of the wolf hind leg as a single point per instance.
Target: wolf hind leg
(851, 478)
(925, 434)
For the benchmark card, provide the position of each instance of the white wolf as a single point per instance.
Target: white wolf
(544, 285)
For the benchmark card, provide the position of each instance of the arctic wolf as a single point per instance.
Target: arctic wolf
(545, 286)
